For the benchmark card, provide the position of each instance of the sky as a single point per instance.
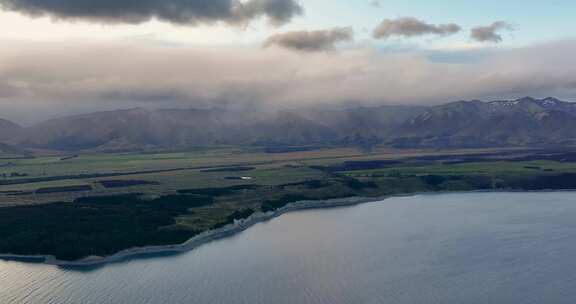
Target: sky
(74, 56)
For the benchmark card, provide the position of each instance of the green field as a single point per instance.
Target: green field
(484, 168)
(172, 171)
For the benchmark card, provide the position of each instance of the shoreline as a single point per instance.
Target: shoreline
(200, 239)
(232, 229)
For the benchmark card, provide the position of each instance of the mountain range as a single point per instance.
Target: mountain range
(522, 122)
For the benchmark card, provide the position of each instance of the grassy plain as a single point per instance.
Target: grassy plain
(177, 170)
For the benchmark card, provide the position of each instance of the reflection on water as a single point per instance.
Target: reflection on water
(456, 248)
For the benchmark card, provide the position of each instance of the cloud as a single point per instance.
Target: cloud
(412, 27)
(173, 11)
(56, 79)
(375, 3)
(490, 33)
(311, 41)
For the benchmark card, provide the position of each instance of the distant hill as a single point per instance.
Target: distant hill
(9, 131)
(522, 122)
(8, 151)
(136, 129)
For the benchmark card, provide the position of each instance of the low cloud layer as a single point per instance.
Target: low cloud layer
(412, 27)
(173, 11)
(490, 33)
(311, 41)
(80, 77)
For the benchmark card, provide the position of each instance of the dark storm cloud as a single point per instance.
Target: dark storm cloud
(174, 11)
(278, 11)
(311, 41)
(412, 27)
(490, 33)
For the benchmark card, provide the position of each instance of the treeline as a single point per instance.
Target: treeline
(95, 225)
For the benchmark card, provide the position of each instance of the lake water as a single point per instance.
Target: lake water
(453, 248)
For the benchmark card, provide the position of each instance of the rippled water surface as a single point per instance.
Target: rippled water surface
(454, 248)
